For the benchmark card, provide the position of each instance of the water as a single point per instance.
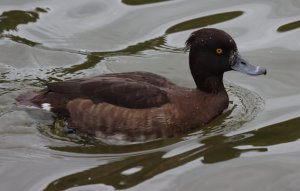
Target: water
(252, 146)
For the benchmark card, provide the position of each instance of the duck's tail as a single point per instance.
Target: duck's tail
(27, 99)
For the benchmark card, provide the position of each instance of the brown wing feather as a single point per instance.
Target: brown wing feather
(131, 90)
(147, 77)
(66, 87)
(124, 92)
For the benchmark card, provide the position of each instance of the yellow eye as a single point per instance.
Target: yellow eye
(219, 50)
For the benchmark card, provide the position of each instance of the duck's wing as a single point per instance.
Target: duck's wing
(124, 92)
(142, 76)
(118, 91)
(66, 87)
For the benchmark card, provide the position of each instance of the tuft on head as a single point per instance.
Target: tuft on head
(202, 36)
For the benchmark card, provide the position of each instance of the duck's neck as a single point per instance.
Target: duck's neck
(209, 83)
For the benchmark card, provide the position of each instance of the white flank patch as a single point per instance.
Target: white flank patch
(46, 106)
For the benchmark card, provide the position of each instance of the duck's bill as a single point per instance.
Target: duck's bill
(241, 65)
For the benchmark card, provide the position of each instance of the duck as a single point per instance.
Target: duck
(142, 106)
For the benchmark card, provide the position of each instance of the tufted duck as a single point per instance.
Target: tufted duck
(143, 105)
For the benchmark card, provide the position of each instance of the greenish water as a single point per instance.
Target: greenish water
(253, 145)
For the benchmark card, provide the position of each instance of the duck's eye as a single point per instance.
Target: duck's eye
(219, 50)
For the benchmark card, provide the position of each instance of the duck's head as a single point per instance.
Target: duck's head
(213, 52)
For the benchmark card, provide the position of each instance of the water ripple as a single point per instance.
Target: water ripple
(138, 2)
(289, 26)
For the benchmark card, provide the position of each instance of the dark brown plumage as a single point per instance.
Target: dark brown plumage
(143, 105)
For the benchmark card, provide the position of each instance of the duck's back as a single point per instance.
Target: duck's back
(129, 90)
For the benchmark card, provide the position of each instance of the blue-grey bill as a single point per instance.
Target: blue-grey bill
(241, 65)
